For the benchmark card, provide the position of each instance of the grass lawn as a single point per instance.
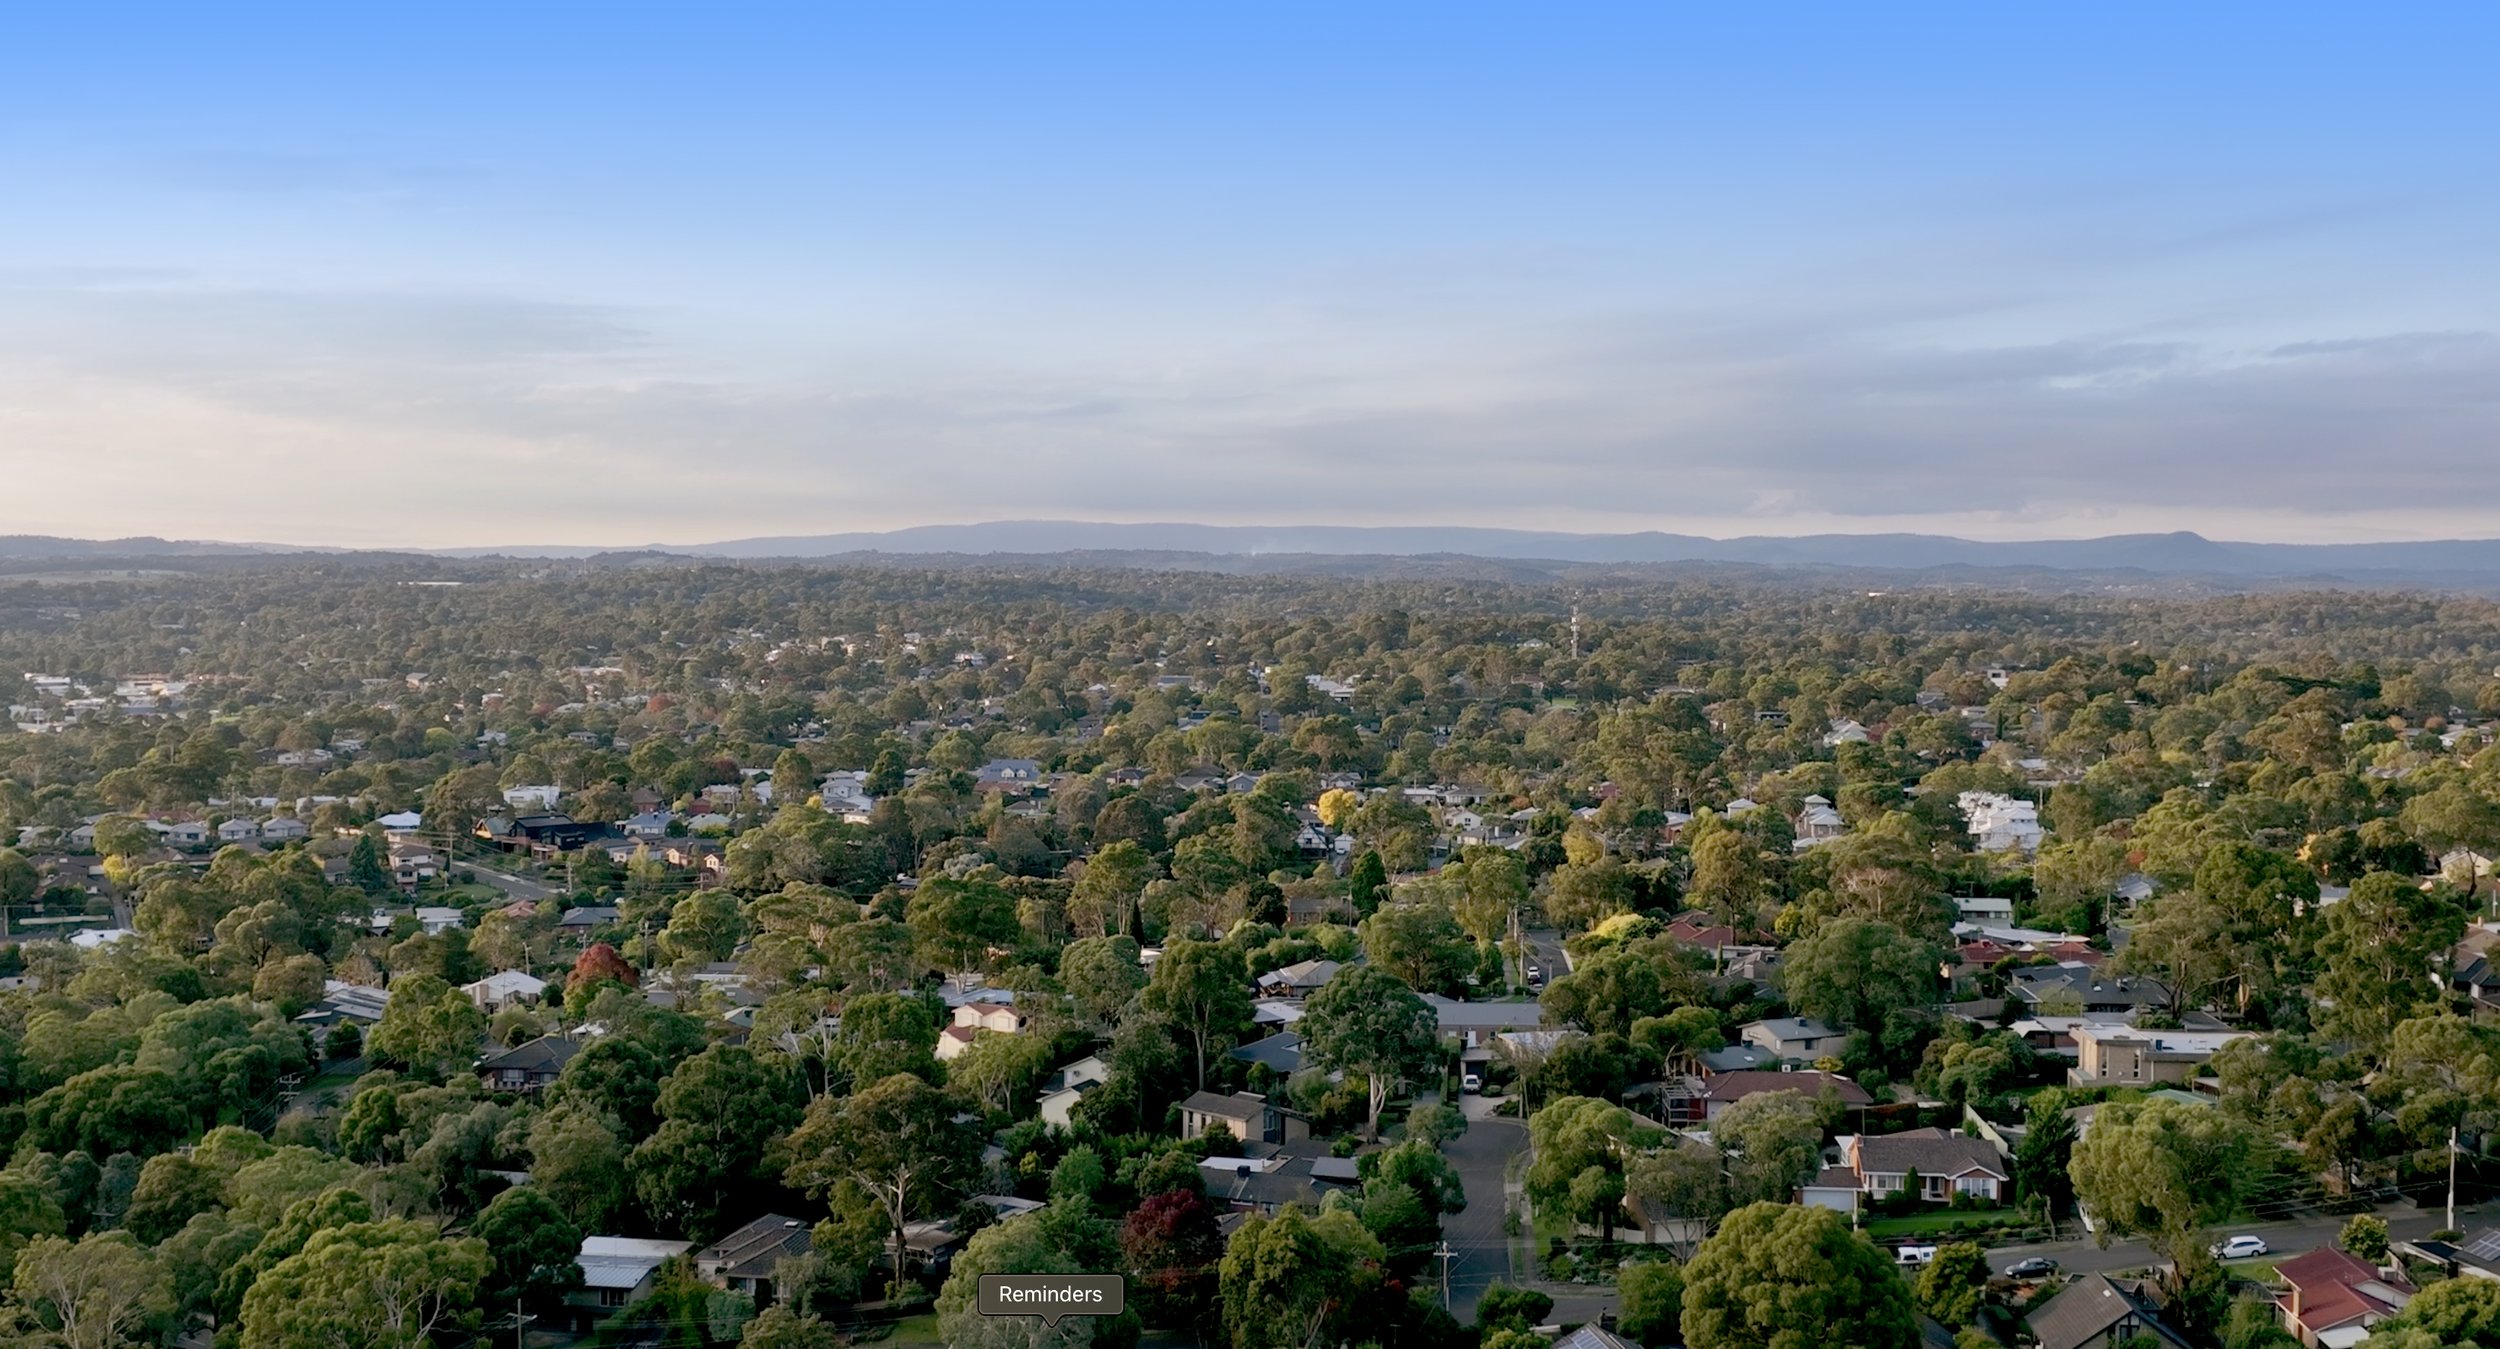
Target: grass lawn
(920, 1331)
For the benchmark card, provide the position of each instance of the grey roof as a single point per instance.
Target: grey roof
(1796, 1028)
(1593, 1337)
(1281, 1052)
(1456, 1015)
(1304, 974)
(589, 915)
(1247, 1105)
(752, 1251)
(546, 1054)
(1930, 1152)
(2089, 1308)
(1735, 1058)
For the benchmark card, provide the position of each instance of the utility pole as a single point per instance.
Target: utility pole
(1446, 1254)
(2452, 1177)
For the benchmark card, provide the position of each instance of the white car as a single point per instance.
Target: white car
(1471, 1084)
(1914, 1255)
(2240, 1248)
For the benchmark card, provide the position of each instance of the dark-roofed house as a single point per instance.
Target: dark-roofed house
(588, 916)
(1273, 1175)
(2083, 989)
(1281, 1053)
(2098, 1312)
(1299, 980)
(744, 1261)
(1726, 1089)
(1947, 1164)
(528, 1066)
(2332, 1298)
(1594, 1337)
(2477, 1256)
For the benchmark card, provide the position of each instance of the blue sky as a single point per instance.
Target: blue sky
(606, 275)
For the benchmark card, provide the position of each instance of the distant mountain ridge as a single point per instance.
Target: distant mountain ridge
(2163, 553)
(2444, 561)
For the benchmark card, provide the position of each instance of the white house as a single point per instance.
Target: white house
(1986, 909)
(2000, 823)
(618, 1270)
(532, 796)
(279, 828)
(503, 988)
(238, 830)
(1072, 1082)
(1793, 1039)
(1818, 822)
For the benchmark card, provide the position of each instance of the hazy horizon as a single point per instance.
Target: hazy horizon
(590, 277)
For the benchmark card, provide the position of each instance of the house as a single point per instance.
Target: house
(1947, 1164)
(1726, 1089)
(1299, 980)
(617, 1271)
(2000, 823)
(1068, 1086)
(537, 797)
(1818, 822)
(2477, 1256)
(648, 824)
(356, 1003)
(1281, 1053)
(1245, 1115)
(1474, 1024)
(1986, 909)
(503, 988)
(2331, 1298)
(2080, 985)
(1007, 774)
(588, 917)
(1793, 1039)
(183, 833)
(746, 1260)
(281, 829)
(238, 830)
(1845, 731)
(412, 863)
(1594, 1337)
(2108, 1056)
(2099, 1312)
(1269, 1176)
(400, 822)
(435, 919)
(530, 1066)
(1003, 1017)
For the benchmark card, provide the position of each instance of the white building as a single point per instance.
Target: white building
(2000, 823)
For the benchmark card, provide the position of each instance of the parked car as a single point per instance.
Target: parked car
(1471, 1084)
(2240, 1248)
(1536, 974)
(2037, 1267)
(1915, 1255)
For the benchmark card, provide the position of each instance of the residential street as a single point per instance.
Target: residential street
(2404, 1222)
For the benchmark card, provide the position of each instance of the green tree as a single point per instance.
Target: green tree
(578, 1164)
(1104, 900)
(1651, 1293)
(1779, 1276)
(2445, 818)
(370, 1285)
(1504, 1307)
(2385, 949)
(100, 1293)
(1418, 942)
(1203, 990)
(428, 1027)
(1949, 1287)
(1773, 1141)
(531, 1243)
(2450, 1313)
(1855, 973)
(1101, 975)
(1368, 1022)
(2162, 1170)
(1296, 1279)
(2365, 1235)
(1579, 1145)
(367, 868)
(955, 923)
(896, 1140)
(1367, 883)
(718, 1112)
